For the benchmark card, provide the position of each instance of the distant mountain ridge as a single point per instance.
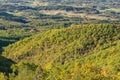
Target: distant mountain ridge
(64, 1)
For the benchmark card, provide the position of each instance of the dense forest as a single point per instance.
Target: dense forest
(79, 52)
(59, 40)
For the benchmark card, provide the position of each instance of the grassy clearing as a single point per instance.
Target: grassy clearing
(114, 9)
(73, 14)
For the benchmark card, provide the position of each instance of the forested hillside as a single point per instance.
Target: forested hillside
(79, 52)
(59, 39)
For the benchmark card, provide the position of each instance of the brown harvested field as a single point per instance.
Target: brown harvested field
(73, 14)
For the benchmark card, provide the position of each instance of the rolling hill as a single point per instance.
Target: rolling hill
(59, 39)
(89, 51)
